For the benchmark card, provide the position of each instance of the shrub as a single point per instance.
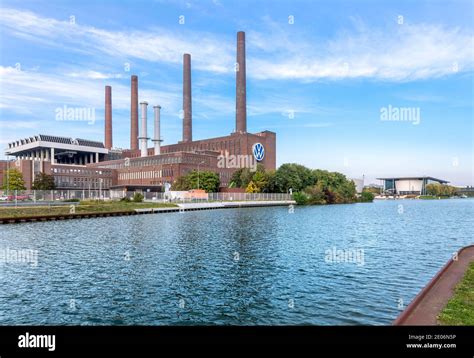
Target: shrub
(366, 197)
(316, 195)
(125, 199)
(138, 198)
(300, 198)
(71, 200)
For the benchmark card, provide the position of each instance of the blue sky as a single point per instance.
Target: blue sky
(318, 74)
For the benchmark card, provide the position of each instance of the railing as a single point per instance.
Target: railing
(53, 195)
(39, 196)
(210, 197)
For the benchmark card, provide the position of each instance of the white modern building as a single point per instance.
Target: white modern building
(409, 185)
(57, 150)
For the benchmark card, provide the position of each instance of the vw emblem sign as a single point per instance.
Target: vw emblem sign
(258, 151)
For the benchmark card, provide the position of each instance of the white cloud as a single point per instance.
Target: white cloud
(95, 75)
(397, 53)
(208, 52)
(403, 53)
(19, 124)
(34, 92)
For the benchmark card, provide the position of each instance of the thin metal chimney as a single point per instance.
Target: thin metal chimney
(144, 138)
(157, 140)
(134, 114)
(108, 117)
(241, 90)
(187, 106)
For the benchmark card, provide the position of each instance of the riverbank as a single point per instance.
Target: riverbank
(75, 210)
(460, 309)
(10, 215)
(428, 307)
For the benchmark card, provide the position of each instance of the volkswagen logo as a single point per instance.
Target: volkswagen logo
(258, 151)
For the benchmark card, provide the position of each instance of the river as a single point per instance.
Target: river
(249, 266)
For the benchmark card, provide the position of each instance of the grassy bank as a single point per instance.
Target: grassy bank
(86, 207)
(431, 197)
(460, 309)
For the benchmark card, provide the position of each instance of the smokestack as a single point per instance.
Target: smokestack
(108, 117)
(143, 138)
(134, 114)
(157, 139)
(187, 109)
(241, 90)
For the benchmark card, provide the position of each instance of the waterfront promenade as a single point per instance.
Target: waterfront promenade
(426, 306)
(182, 207)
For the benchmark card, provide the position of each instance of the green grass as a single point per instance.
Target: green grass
(83, 207)
(460, 309)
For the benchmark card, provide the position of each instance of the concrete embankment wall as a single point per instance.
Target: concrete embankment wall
(426, 306)
(179, 208)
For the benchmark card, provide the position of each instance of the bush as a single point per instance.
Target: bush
(366, 197)
(125, 199)
(71, 200)
(138, 198)
(300, 198)
(316, 195)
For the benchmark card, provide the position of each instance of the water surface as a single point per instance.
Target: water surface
(235, 266)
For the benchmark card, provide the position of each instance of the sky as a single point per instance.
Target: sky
(368, 88)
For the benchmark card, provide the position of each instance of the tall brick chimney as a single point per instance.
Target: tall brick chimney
(108, 117)
(134, 114)
(241, 90)
(187, 107)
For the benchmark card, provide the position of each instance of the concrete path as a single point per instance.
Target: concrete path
(426, 306)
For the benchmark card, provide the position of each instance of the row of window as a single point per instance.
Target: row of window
(146, 174)
(230, 145)
(78, 171)
(83, 183)
(143, 163)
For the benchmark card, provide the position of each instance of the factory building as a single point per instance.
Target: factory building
(80, 164)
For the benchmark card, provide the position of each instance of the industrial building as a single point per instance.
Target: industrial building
(85, 164)
(409, 185)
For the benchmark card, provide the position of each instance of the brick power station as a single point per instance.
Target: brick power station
(86, 164)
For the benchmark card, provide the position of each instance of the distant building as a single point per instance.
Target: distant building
(359, 183)
(409, 185)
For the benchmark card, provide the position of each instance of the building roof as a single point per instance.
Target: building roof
(56, 139)
(415, 178)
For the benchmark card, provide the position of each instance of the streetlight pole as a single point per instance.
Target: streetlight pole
(100, 188)
(8, 174)
(198, 171)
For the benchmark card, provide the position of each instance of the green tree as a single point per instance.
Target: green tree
(335, 186)
(44, 182)
(294, 176)
(261, 180)
(235, 179)
(242, 177)
(208, 181)
(367, 196)
(373, 190)
(315, 195)
(436, 189)
(181, 184)
(13, 180)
